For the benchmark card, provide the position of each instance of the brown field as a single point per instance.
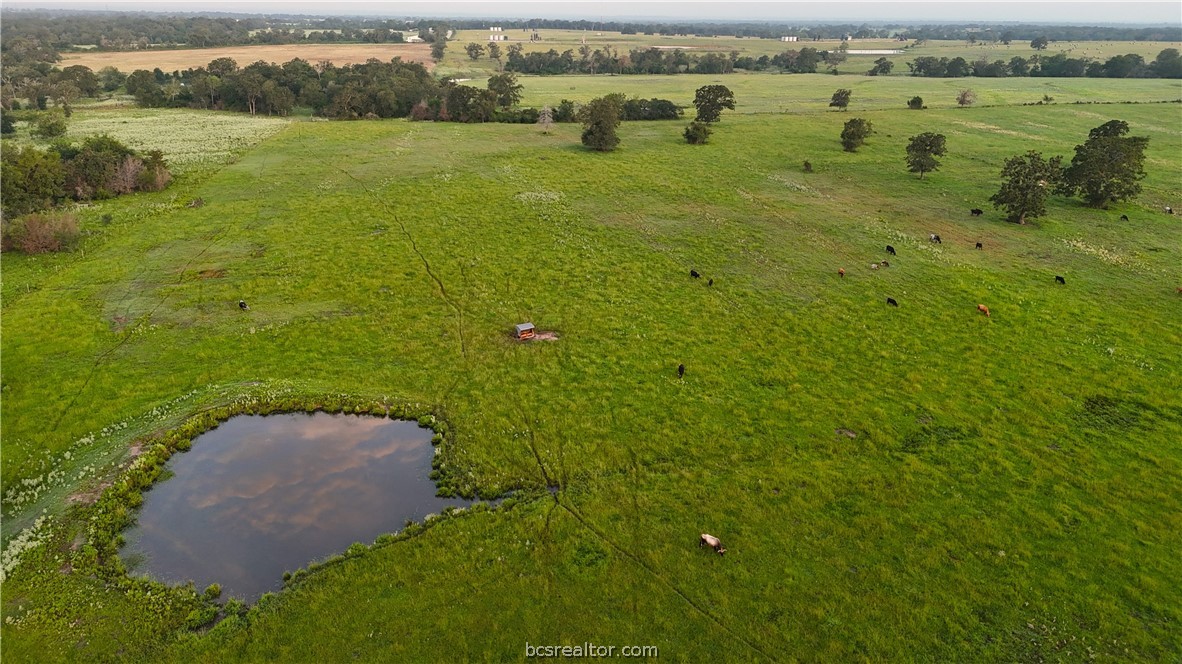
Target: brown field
(172, 60)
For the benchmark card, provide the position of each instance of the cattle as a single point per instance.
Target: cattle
(1060, 280)
(979, 246)
(1124, 217)
(681, 371)
(712, 542)
(1169, 210)
(242, 305)
(891, 250)
(976, 212)
(983, 309)
(710, 282)
(934, 238)
(841, 272)
(891, 301)
(874, 266)
(884, 263)
(694, 274)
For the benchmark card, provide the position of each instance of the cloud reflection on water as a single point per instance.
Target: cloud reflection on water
(261, 495)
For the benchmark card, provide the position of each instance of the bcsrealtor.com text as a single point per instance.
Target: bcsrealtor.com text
(590, 650)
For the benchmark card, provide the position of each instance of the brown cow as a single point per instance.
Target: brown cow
(841, 271)
(713, 542)
(983, 309)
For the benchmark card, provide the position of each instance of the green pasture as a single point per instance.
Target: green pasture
(793, 93)
(911, 483)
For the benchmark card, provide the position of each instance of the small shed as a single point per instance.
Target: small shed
(524, 331)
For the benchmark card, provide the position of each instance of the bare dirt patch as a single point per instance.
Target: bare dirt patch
(87, 496)
(212, 273)
(846, 432)
(172, 60)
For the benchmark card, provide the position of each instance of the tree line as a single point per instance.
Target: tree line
(115, 30)
(1167, 64)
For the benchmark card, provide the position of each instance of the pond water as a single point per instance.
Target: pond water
(262, 495)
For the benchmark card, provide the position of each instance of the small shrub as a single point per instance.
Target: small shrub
(199, 618)
(697, 133)
(808, 166)
(40, 233)
(50, 125)
(916, 103)
(213, 591)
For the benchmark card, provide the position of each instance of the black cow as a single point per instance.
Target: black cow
(242, 305)
(1169, 210)
(681, 371)
(891, 250)
(1060, 280)
(1124, 217)
(979, 246)
(891, 301)
(976, 212)
(710, 282)
(694, 274)
(932, 237)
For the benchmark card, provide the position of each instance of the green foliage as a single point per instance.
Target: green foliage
(841, 98)
(649, 109)
(697, 133)
(710, 100)
(213, 592)
(474, 50)
(922, 151)
(6, 124)
(1027, 181)
(438, 47)
(882, 67)
(50, 125)
(1039, 43)
(30, 179)
(1108, 167)
(601, 118)
(855, 133)
(915, 103)
(506, 88)
(966, 98)
(201, 617)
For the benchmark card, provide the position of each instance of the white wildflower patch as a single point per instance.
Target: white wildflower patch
(22, 543)
(791, 184)
(188, 138)
(529, 197)
(1110, 256)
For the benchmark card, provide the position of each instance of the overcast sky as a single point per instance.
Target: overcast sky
(830, 10)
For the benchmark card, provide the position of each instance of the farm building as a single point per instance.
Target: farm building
(791, 38)
(495, 38)
(496, 28)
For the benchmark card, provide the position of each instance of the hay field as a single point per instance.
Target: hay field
(172, 60)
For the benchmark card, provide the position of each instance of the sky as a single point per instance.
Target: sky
(935, 11)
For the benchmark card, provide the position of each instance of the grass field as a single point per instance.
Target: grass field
(1009, 492)
(457, 63)
(177, 59)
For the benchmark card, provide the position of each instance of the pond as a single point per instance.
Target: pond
(258, 496)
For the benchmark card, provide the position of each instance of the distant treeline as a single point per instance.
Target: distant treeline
(62, 30)
(1168, 64)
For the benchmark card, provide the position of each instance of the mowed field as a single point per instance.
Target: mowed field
(179, 59)
(911, 483)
